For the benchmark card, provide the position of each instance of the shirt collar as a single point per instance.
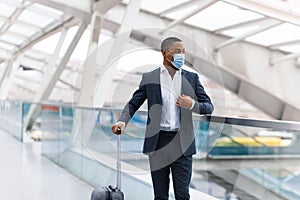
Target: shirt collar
(164, 69)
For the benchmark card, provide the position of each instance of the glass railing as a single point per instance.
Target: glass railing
(11, 118)
(81, 141)
(259, 159)
(236, 158)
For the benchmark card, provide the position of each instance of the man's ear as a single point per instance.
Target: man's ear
(163, 52)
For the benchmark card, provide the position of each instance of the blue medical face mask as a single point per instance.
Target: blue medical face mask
(178, 60)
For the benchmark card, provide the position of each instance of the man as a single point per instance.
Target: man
(172, 95)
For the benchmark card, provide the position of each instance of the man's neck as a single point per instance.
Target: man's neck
(171, 71)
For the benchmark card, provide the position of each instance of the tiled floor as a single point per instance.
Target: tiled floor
(26, 174)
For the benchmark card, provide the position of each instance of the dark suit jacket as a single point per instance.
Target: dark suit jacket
(149, 89)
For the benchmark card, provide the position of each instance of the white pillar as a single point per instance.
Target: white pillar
(89, 68)
(122, 37)
(85, 120)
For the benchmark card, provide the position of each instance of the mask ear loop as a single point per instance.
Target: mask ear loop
(168, 58)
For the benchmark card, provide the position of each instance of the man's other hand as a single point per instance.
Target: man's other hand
(120, 125)
(185, 102)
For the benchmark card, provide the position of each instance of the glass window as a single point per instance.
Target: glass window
(6, 10)
(1, 23)
(220, 15)
(282, 33)
(34, 18)
(240, 31)
(23, 30)
(13, 39)
(44, 10)
(48, 44)
(158, 6)
(6, 46)
(291, 48)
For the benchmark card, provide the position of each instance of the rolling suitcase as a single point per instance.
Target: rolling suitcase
(110, 192)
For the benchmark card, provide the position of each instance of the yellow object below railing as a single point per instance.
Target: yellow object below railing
(254, 142)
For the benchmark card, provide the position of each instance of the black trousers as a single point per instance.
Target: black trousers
(168, 158)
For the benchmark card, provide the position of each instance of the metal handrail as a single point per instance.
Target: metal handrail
(273, 124)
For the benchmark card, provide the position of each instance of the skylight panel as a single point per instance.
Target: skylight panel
(23, 30)
(282, 33)
(13, 39)
(35, 19)
(158, 6)
(44, 10)
(6, 46)
(6, 10)
(220, 15)
(291, 48)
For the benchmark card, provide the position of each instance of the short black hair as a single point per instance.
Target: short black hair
(166, 43)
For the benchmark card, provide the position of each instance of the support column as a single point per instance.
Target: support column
(122, 37)
(50, 78)
(89, 67)
(85, 119)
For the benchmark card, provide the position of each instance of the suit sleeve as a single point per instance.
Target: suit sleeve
(203, 104)
(137, 99)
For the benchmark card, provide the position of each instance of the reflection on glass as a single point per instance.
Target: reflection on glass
(81, 141)
(11, 118)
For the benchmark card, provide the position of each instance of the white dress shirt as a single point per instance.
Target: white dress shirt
(170, 91)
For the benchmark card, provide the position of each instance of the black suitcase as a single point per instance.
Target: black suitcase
(110, 192)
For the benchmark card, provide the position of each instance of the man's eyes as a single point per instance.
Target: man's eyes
(179, 51)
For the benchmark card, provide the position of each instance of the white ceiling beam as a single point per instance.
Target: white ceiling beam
(284, 58)
(265, 26)
(241, 25)
(204, 4)
(79, 9)
(267, 9)
(110, 25)
(281, 44)
(103, 6)
(3, 18)
(47, 33)
(178, 7)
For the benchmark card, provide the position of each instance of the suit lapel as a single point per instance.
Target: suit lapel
(157, 86)
(186, 89)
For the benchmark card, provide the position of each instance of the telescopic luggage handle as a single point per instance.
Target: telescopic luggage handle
(119, 159)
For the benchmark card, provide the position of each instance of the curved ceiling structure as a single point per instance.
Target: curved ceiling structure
(47, 46)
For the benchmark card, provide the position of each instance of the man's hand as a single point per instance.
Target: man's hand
(120, 125)
(185, 102)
